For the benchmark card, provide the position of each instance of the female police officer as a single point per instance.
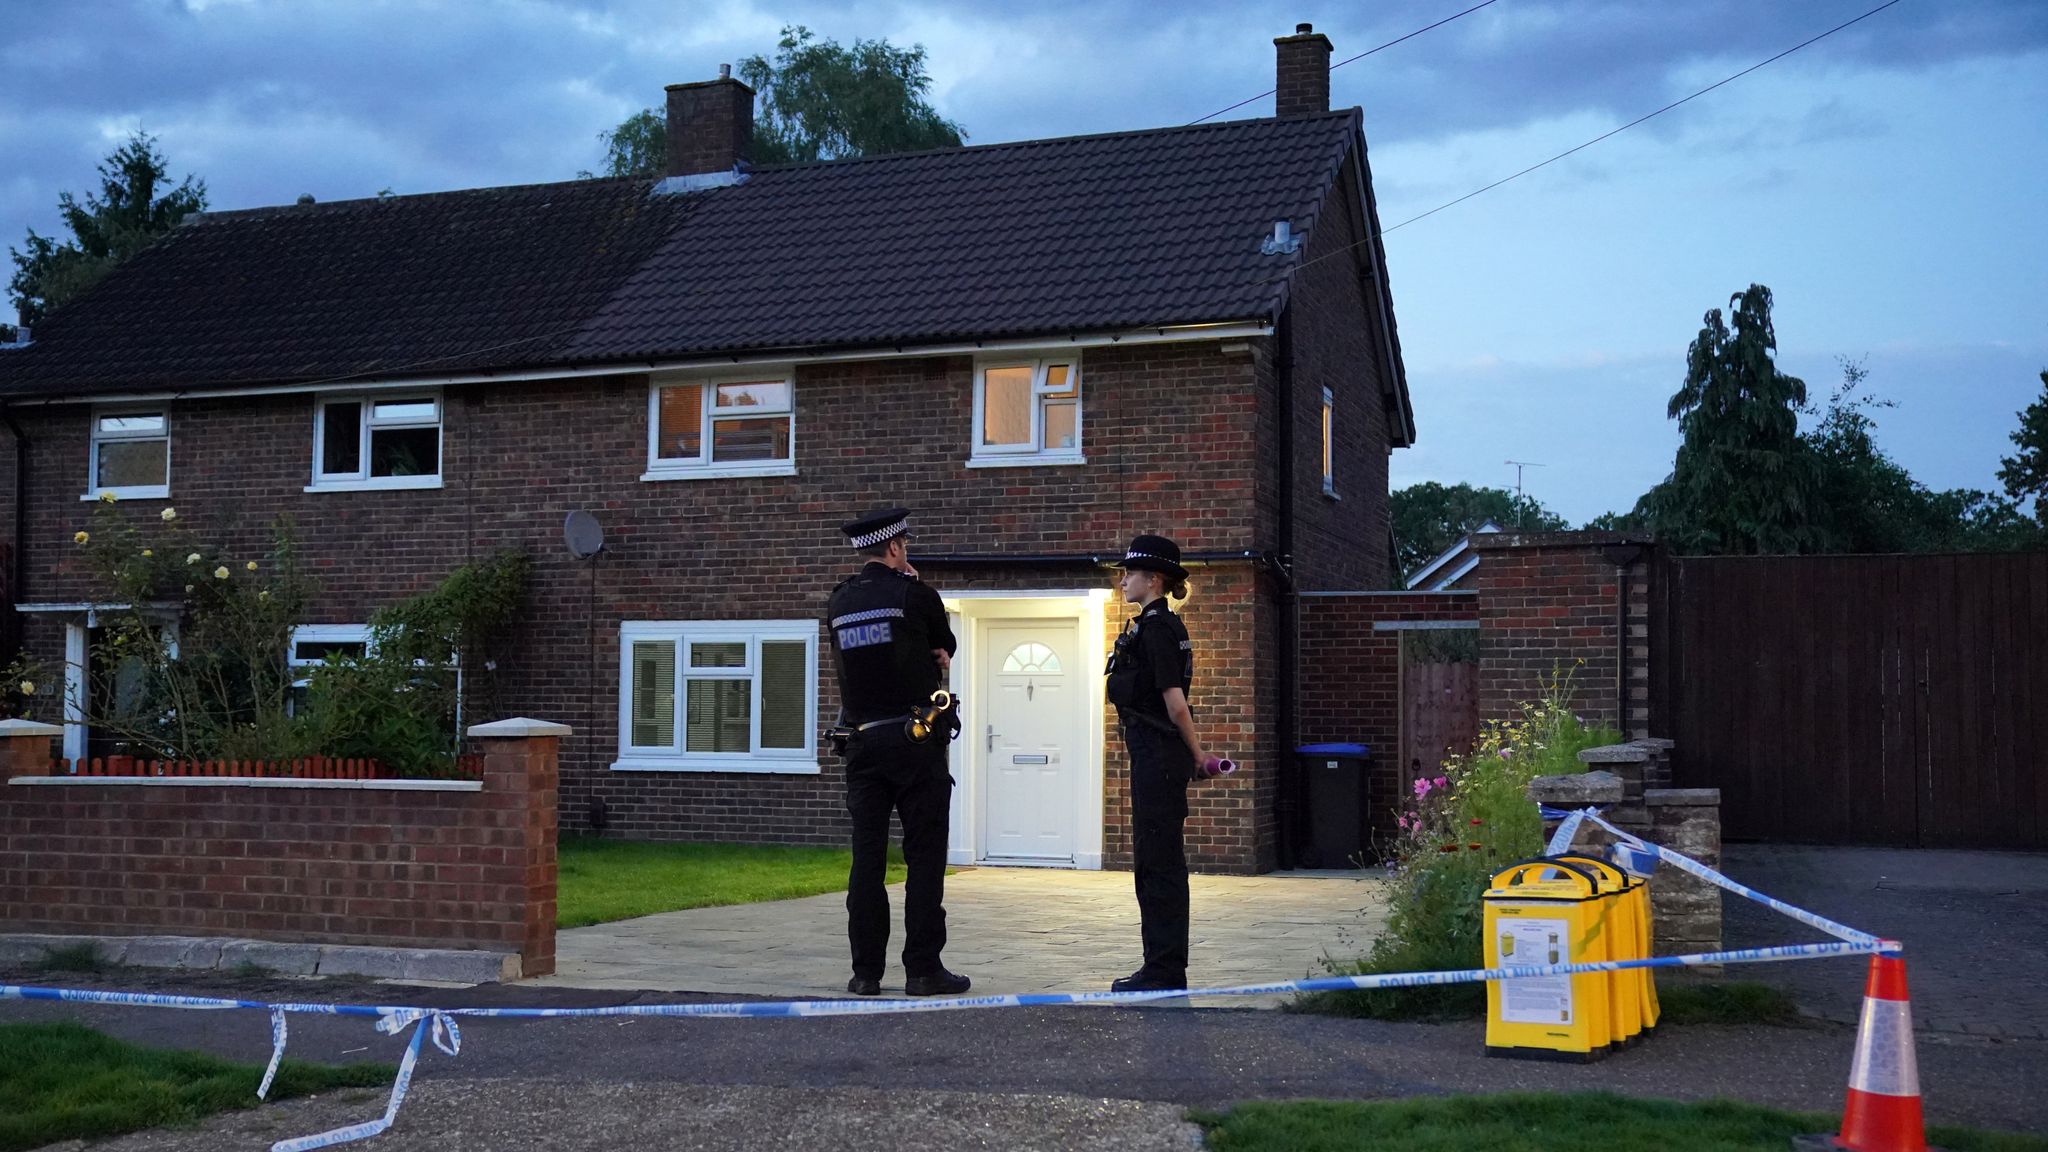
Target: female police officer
(1150, 672)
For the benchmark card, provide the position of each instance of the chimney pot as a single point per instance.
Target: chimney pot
(1302, 79)
(710, 125)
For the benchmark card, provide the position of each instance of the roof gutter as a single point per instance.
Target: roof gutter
(816, 354)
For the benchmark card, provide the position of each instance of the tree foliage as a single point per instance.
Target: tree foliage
(818, 100)
(1743, 481)
(1429, 517)
(1748, 480)
(136, 203)
(2025, 473)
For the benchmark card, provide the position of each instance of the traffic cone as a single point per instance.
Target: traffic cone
(1882, 1113)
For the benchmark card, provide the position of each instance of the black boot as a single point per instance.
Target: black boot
(864, 986)
(940, 983)
(1143, 981)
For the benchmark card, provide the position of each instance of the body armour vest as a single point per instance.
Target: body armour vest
(1152, 655)
(881, 637)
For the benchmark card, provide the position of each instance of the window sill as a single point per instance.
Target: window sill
(154, 492)
(720, 471)
(378, 484)
(1026, 460)
(792, 767)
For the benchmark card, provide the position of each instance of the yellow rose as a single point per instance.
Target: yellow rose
(149, 551)
(81, 537)
(28, 687)
(188, 587)
(263, 595)
(108, 497)
(192, 559)
(220, 573)
(169, 514)
(251, 565)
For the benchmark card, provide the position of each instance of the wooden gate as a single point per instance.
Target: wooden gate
(1439, 715)
(1860, 699)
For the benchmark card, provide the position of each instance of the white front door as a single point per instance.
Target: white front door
(1030, 741)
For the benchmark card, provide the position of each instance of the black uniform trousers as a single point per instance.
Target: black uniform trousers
(886, 772)
(1161, 767)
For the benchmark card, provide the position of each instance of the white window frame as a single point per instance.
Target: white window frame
(93, 487)
(323, 634)
(703, 467)
(360, 480)
(1329, 443)
(683, 633)
(1035, 452)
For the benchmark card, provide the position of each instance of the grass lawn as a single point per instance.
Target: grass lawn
(605, 880)
(1539, 1123)
(64, 1081)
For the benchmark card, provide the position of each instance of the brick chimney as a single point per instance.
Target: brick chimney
(1303, 87)
(710, 125)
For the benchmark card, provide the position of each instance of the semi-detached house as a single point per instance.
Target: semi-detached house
(1043, 347)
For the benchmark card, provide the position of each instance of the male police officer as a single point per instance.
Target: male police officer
(892, 641)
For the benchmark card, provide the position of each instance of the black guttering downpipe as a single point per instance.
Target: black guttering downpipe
(10, 628)
(1287, 781)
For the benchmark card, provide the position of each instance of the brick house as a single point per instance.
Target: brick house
(1043, 347)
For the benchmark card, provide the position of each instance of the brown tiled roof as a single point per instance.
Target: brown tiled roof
(1083, 234)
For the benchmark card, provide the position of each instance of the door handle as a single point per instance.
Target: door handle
(991, 737)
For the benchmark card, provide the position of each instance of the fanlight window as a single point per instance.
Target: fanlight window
(1032, 657)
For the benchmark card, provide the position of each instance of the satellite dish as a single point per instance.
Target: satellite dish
(583, 534)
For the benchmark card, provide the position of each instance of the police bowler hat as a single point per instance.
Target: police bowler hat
(877, 527)
(1154, 554)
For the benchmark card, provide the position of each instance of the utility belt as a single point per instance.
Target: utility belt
(940, 714)
(1130, 716)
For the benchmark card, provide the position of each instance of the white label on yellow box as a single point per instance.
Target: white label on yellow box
(1535, 999)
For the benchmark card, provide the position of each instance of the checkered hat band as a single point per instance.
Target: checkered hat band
(870, 539)
(870, 614)
(1147, 556)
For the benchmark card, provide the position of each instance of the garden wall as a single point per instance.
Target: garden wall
(466, 864)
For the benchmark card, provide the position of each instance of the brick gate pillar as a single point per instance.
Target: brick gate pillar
(521, 779)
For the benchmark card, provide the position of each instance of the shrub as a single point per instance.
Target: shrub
(1459, 828)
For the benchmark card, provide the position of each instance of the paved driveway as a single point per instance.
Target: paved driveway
(1011, 929)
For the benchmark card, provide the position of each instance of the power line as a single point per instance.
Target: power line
(1632, 123)
(1347, 60)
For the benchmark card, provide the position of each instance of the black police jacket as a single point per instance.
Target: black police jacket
(884, 626)
(1152, 655)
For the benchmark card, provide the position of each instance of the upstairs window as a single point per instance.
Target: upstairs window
(131, 455)
(378, 442)
(1027, 411)
(731, 427)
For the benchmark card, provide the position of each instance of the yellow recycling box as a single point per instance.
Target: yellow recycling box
(1542, 912)
(1625, 997)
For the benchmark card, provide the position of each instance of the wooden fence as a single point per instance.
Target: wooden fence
(469, 767)
(1897, 700)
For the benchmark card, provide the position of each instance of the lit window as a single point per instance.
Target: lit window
(371, 442)
(1329, 444)
(131, 454)
(718, 696)
(703, 428)
(1032, 656)
(1028, 408)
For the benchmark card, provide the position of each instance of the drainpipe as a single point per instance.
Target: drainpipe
(1287, 779)
(10, 629)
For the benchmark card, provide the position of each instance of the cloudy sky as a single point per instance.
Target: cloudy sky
(1886, 183)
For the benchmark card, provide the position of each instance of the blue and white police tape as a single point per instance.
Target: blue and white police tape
(440, 1022)
(1561, 842)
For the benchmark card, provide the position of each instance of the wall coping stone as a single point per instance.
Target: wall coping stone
(258, 782)
(1693, 797)
(28, 728)
(518, 727)
(1615, 754)
(1577, 788)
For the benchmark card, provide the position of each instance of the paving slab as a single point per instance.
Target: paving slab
(1011, 929)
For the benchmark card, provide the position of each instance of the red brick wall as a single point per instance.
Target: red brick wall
(1341, 542)
(408, 868)
(1548, 606)
(1351, 676)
